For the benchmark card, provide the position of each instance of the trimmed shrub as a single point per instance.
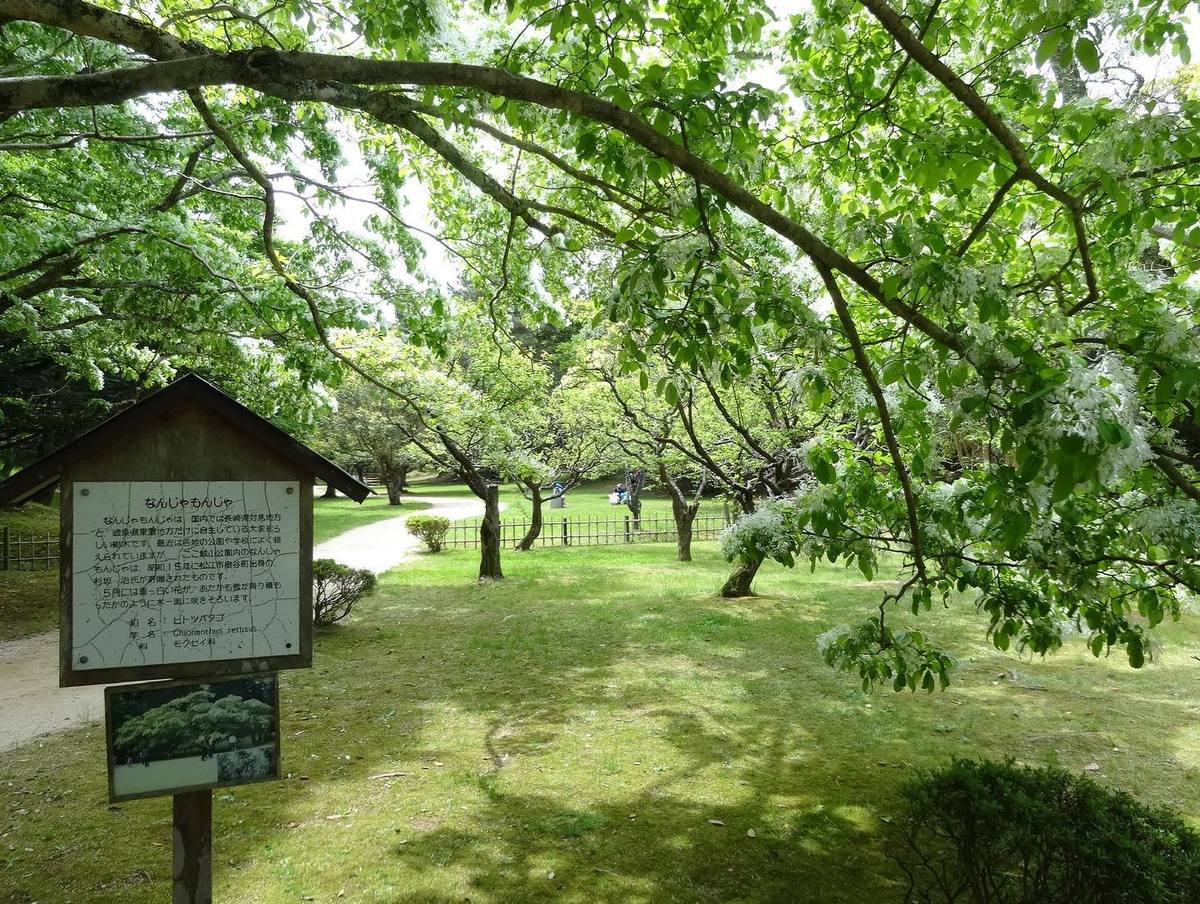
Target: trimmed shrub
(336, 588)
(430, 530)
(997, 833)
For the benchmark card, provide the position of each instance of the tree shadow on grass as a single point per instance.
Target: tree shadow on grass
(641, 848)
(753, 731)
(526, 723)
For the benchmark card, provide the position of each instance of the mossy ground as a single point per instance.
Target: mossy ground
(600, 727)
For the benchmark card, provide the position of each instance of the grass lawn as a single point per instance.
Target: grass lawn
(29, 599)
(31, 518)
(599, 727)
(28, 603)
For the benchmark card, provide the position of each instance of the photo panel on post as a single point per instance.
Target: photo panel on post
(166, 737)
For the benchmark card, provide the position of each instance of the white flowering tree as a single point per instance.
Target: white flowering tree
(985, 216)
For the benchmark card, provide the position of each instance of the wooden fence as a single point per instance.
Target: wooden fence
(27, 552)
(31, 552)
(558, 531)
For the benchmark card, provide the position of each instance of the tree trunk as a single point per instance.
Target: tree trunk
(684, 516)
(684, 512)
(393, 489)
(489, 535)
(535, 523)
(635, 508)
(330, 492)
(393, 479)
(739, 582)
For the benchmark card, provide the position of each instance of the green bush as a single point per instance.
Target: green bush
(997, 833)
(430, 529)
(336, 588)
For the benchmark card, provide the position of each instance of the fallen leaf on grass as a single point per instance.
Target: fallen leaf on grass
(715, 822)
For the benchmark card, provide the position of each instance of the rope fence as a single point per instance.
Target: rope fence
(589, 531)
(27, 552)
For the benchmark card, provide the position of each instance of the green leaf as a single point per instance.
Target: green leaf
(1046, 48)
(1086, 53)
(824, 471)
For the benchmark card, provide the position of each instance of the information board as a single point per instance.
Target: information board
(184, 572)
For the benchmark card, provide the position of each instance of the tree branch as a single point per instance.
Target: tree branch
(189, 67)
(885, 418)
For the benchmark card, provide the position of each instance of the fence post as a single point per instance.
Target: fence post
(7, 547)
(627, 534)
(566, 536)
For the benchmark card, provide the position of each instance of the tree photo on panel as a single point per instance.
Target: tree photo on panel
(916, 278)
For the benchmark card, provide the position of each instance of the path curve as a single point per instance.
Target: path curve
(382, 545)
(32, 703)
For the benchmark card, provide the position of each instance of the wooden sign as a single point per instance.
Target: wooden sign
(168, 737)
(186, 552)
(184, 572)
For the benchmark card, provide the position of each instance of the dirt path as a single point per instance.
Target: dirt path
(32, 703)
(385, 544)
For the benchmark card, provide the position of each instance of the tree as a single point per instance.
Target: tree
(966, 205)
(649, 432)
(745, 439)
(565, 442)
(363, 426)
(195, 724)
(125, 262)
(461, 409)
(685, 496)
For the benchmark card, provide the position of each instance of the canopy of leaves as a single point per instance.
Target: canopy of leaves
(964, 234)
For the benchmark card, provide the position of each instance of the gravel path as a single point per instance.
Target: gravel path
(32, 703)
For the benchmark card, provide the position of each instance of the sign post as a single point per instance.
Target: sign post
(192, 872)
(186, 553)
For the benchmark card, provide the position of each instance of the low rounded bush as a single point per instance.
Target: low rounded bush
(996, 833)
(429, 529)
(336, 588)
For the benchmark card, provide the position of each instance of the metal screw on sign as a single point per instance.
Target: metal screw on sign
(85, 492)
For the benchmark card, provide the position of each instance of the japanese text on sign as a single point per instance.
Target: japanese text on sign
(184, 572)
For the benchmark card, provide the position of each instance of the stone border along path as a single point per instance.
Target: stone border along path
(32, 703)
